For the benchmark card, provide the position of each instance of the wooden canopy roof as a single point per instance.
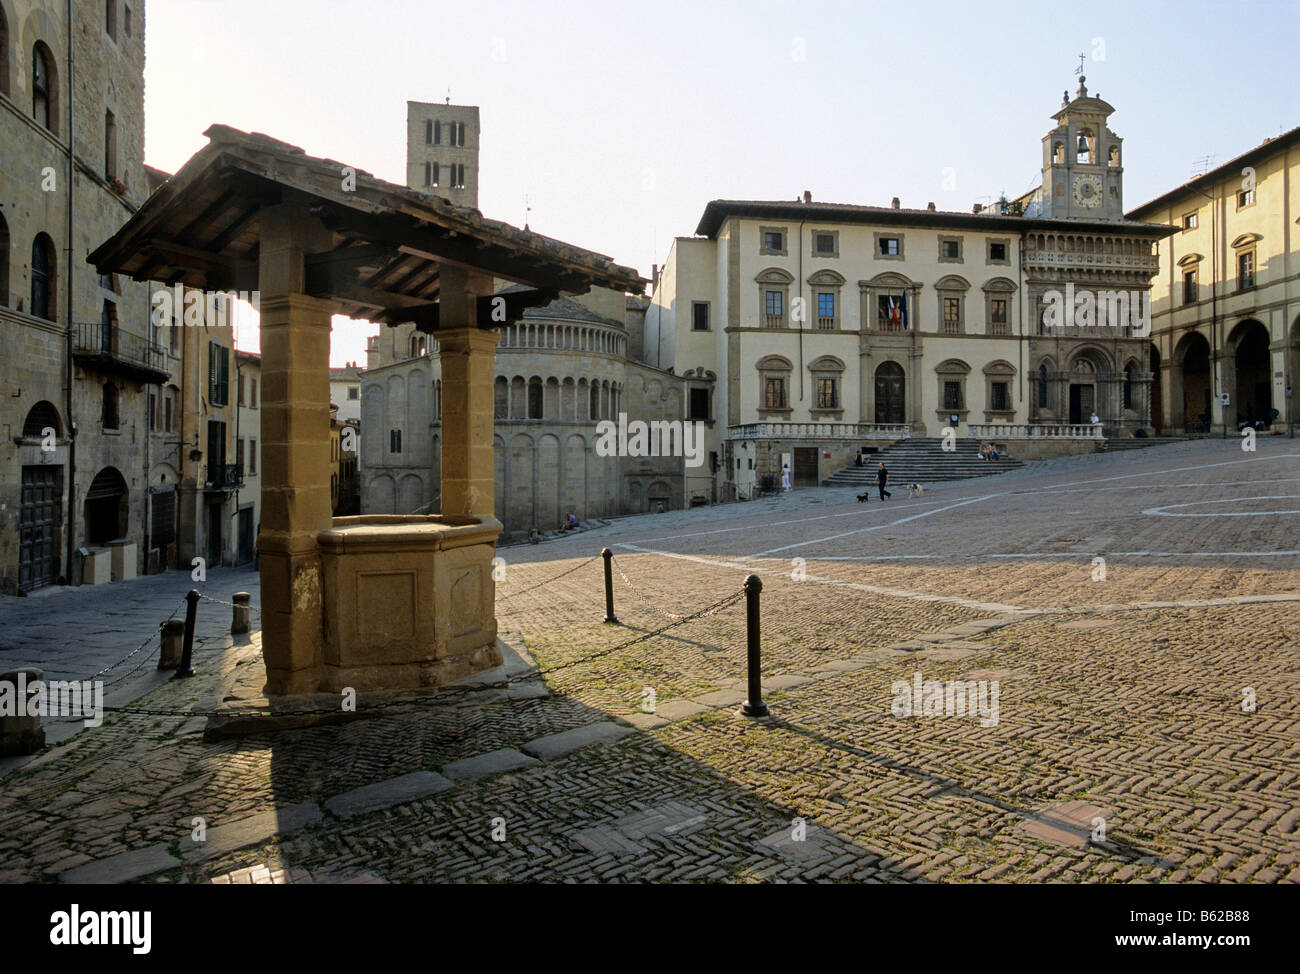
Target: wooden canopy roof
(201, 228)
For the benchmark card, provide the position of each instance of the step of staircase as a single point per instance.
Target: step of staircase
(1141, 443)
(922, 460)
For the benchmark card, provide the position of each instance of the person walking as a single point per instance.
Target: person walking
(785, 477)
(882, 481)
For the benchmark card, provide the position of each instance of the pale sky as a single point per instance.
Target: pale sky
(620, 122)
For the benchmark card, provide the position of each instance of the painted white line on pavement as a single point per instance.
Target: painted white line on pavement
(1156, 473)
(876, 527)
(1291, 553)
(858, 586)
(1165, 509)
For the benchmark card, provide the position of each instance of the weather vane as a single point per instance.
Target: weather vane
(1079, 69)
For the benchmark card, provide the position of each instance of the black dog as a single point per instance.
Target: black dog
(863, 498)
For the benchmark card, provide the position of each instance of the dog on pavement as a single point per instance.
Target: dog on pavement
(863, 498)
(915, 490)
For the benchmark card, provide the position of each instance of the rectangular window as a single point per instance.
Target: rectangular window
(952, 315)
(998, 316)
(826, 309)
(952, 395)
(239, 388)
(825, 243)
(998, 252)
(774, 240)
(1246, 270)
(999, 398)
(428, 174)
(773, 304)
(239, 451)
(1190, 291)
(218, 374)
(1245, 198)
(699, 404)
(353, 392)
(153, 411)
(774, 392)
(889, 247)
(252, 456)
(700, 316)
(110, 18)
(216, 451)
(252, 399)
(828, 392)
(1189, 221)
(436, 175)
(949, 249)
(428, 132)
(110, 145)
(437, 133)
(126, 19)
(167, 412)
(394, 441)
(460, 134)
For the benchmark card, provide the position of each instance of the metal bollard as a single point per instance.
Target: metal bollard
(173, 635)
(187, 651)
(753, 705)
(20, 730)
(609, 585)
(239, 623)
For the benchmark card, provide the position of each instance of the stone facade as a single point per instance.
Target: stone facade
(558, 373)
(442, 144)
(1225, 305)
(82, 362)
(835, 325)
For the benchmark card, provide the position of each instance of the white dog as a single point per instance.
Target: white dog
(915, 490)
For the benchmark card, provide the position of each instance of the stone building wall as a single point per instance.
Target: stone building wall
(38, 189)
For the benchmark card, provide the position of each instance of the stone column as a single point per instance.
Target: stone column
(467, 354)
(295, 334)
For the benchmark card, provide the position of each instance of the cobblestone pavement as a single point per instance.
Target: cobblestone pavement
(1147, 723)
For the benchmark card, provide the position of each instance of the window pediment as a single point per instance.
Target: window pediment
(953, 282)
(890, 279)
(1191, 260)
(826, 278)
(775, 275)
(827, 363)
(1245, 240)
(1000, 367)
(1001, 285)
(773, 363)
(953, 366)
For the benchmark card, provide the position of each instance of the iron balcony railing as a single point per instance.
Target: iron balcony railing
(104, 345)
(225, 476)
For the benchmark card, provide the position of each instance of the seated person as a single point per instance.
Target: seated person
(993, 451)
(985, 450)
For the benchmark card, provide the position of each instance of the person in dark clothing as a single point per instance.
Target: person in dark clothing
(882, 481)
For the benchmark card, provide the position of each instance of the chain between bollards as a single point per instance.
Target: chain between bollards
(608, 555)
(753, 705)
(187, 650)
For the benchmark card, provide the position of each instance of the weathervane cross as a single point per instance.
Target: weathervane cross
(1079, 69)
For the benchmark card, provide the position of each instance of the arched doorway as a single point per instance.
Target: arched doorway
(1191, 392)
(890, 389)
(1084, 400)
(1157, 393)
(106, 507)
(40, 508)
(1253, 390)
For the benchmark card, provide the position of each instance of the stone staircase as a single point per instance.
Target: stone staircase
(921, 460)
(1141, 443)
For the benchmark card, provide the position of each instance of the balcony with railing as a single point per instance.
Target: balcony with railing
(224, 476)
(106, 348)
(1035, 431)
(819, 431)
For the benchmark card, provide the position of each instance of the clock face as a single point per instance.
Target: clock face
(1087, 190)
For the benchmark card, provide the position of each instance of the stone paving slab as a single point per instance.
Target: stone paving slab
(123, 867)
(254, 830)
(554, 746)
(482, 765)
(396, 791)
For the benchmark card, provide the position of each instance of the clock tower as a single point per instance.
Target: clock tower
(1083, 178)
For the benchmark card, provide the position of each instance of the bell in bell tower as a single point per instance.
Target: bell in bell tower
(1082, 175)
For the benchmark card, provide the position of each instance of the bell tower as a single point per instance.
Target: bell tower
(1083, 174)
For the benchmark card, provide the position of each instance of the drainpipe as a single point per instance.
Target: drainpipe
(799, 291)
(67, 388)
(148, 425)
